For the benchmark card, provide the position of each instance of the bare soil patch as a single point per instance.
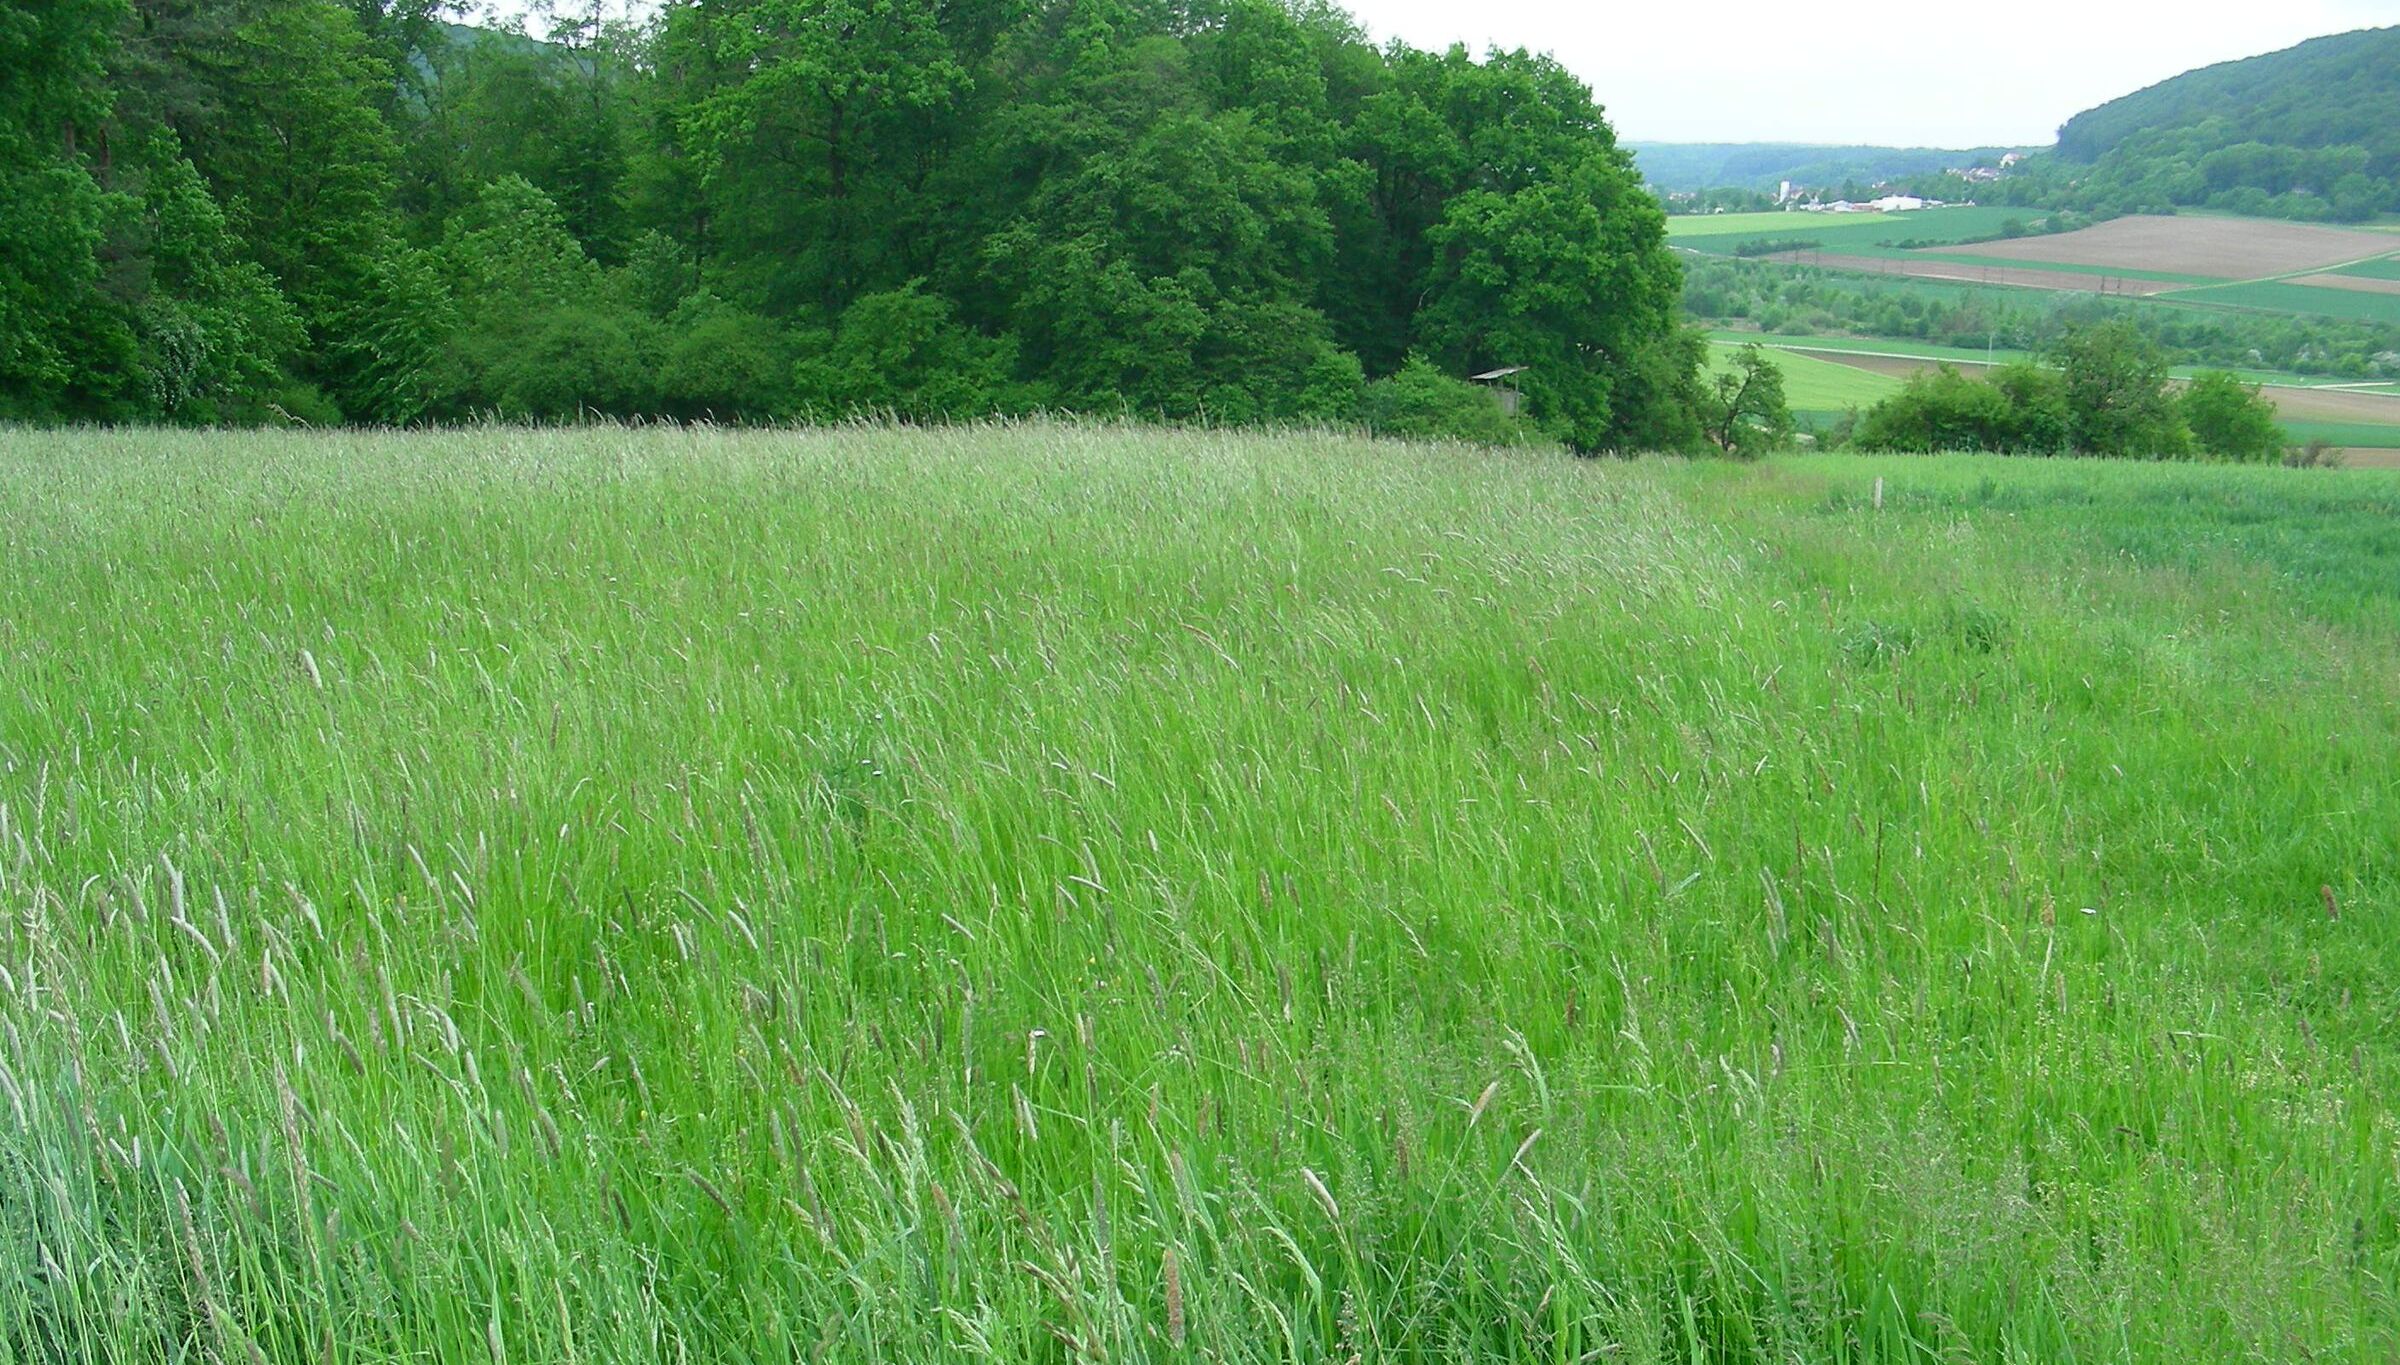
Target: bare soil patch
(2218, 248)
(2361, 284)
(2367, 457)
(2335, 405)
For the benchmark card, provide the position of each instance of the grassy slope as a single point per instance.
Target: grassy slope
(870, 896)
(1812, 385)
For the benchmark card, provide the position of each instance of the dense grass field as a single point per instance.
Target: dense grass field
(1042, 894)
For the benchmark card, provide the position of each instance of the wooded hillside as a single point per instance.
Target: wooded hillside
(2308, 133)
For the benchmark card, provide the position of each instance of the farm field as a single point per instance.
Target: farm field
(1814, 385)
(2362, 284)
(1721, 234)
(2196, 245)
(2387, 268)
(2279, 296)
(1041, 893)
(1920, 266)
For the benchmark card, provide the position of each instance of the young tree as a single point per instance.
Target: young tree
(1747, 415)
(2230, 419)
(2116, 391)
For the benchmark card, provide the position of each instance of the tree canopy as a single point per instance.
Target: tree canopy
(1228, 210)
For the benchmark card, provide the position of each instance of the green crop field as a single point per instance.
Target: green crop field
(1047, 894)
(1852, 233)
(1814, 385)
(2277, 297)
(2368, 434)
(2387, 268)
(1872, 346)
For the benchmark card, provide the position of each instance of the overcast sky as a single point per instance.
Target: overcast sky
(1893, 72)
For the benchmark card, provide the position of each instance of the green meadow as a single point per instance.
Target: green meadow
(1048, 893)
(1845, 233)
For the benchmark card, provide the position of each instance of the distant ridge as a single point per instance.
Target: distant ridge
(1675, 166)
(2342, 90)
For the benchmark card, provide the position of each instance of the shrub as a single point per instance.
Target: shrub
(2230, 419)
(722, 362)
(903, 352)
(1421, 403)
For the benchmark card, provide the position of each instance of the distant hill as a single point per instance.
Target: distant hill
(1673, 166)
(2311, 132)
(2342, 90)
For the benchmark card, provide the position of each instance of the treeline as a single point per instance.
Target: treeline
(1803, 301)
(2103, 391)
(1236, 210)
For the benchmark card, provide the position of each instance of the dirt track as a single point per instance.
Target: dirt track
(2217, 248)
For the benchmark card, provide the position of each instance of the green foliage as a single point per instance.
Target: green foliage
(2104, 393)
(1746, 414)
(723, 363)
(1574, 281)
(1943, 410)
(2116, 394)
(2229, 419)
(216, 332)
(903, 353)
(1421, 403)
(1239, 214)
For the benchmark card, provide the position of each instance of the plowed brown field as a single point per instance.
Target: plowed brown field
(2217, 248)
(2361, 284)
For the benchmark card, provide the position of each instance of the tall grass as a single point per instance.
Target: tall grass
(1044, 894)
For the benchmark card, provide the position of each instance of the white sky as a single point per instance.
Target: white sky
(1887, 72)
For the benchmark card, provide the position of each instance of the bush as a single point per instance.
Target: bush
(722, 362)
(1420, 403)
(902, 352)
(1945, 410)
(2230, 419)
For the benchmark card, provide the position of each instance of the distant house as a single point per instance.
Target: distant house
(2011, 159)
(1897, 203)
(1503, 392)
